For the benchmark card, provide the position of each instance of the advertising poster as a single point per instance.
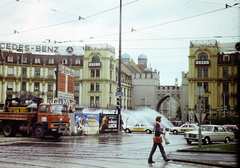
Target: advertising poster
(86, 123)
(108, 123)
(65, 89)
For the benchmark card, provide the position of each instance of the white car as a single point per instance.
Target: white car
(184, 128)
(139, 127)
(209, 134)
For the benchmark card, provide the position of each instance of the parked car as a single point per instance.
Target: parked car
(183, 128)
(139, 127)
(234, 129)
(209, 134)
(177, 123)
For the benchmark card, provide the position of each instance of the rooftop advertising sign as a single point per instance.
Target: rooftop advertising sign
(43, 48)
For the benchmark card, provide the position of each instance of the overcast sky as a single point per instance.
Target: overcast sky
(162, 28)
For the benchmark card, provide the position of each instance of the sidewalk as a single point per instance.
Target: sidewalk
(210, 158)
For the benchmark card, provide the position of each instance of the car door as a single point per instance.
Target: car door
(221, 133)
(191, 127)
(184, 128)
(214, 135)
(138, 127)
(43, 114)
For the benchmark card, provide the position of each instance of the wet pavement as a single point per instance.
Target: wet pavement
(118, 151)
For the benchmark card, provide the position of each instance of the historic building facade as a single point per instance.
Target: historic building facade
(215, 68)
(96, 76)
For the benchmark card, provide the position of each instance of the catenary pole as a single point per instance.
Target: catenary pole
(119, 67)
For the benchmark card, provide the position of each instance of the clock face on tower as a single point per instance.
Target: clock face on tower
(237, 46)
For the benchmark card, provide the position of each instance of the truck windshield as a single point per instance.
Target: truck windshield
(58, 109)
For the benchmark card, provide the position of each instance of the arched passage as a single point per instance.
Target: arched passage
(164, 111)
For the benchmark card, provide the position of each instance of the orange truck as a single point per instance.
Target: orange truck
(50, 119)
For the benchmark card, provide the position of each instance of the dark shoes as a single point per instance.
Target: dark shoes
(150, 162)
(166, 160)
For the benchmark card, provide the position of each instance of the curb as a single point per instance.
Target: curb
(206, 151)
(204, 163)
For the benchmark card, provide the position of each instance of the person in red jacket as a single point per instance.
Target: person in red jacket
(157, 132)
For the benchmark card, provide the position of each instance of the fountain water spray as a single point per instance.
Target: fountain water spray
(145, 115)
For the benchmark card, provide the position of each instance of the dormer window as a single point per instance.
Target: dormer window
(226, 58)
(37, 60)
(64, 61)
(10, 59)
(77, 61)
(24, 59)
(51, 61)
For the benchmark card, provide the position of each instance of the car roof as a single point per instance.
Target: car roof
(212, 125)
(229, 125)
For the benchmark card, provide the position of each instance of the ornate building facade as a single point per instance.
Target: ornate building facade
(215, 68)
(96, 76)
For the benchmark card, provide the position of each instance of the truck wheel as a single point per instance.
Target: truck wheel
(39, 132)
(9, 130)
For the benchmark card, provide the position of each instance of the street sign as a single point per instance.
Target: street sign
(119, 94)
(199, 91)
(198, 116)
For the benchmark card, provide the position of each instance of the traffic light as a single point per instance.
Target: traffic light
(118, 101)
(221, 108)
(201, 99)
(225, 108)
(231, 107)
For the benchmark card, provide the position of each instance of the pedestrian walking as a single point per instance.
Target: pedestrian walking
(157, 141)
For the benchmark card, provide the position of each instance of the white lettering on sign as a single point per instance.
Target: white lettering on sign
(94, 64)
(68, 96)
(65, 70)
(202, 62)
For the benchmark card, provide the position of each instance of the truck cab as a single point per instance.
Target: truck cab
(52, 118)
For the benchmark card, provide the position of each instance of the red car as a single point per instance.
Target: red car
(234, 129)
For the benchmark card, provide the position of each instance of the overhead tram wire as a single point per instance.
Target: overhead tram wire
(136, 30)
(7, 4)
(63, 13)
(163, 39)
(182, 19)
(80, 18)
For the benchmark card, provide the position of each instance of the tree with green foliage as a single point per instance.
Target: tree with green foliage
(221, 120)
(179, 114)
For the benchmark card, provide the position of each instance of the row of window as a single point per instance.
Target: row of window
(93, 87)
(206, 88)
(226, 101)
(205, 71)
(36, 86)
(38, 60)
(94, 72)
(204, 56)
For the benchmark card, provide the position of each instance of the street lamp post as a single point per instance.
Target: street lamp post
(119, 67)
(20, 50)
